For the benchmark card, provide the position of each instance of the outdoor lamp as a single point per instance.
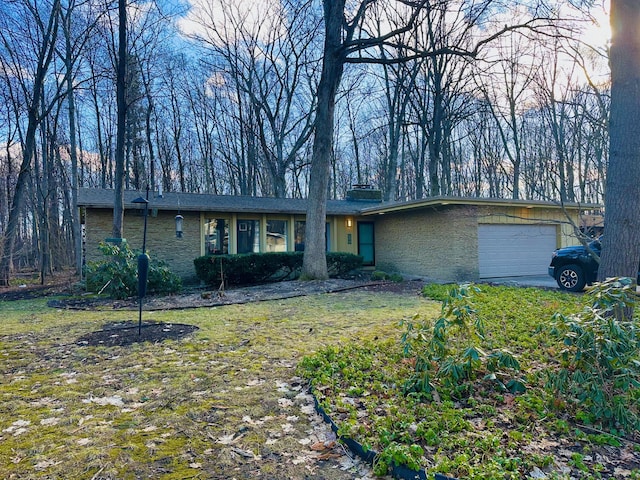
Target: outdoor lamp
(143, 260)
(179, 219)
(349, 222)
(144, 203)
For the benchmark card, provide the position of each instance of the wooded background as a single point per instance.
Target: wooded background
(221, 99)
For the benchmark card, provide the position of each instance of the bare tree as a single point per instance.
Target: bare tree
(266, 58)
(73, 146)
(506, 84)
(78, 23)
(348, 41)
(29, 63)
(121, 105)
(399, 82)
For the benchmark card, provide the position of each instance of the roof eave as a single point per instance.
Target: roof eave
(437, 202)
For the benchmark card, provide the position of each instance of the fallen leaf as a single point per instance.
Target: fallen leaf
(115, 400)
(226, 439)
(244, 453)
(328, 455)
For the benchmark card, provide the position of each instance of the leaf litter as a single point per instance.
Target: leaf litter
(221, 402)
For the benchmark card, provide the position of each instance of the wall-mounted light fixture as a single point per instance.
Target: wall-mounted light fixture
(349, 222)
(179, 219)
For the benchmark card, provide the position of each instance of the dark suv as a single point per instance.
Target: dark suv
(574, 267)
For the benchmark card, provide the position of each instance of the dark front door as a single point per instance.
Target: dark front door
(366, 243)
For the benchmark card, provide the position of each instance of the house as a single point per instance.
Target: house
(446, 238)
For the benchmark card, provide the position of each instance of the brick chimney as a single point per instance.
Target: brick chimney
(363, 192)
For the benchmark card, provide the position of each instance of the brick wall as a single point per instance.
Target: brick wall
(440, 244)
(162, 243)
(437, 244)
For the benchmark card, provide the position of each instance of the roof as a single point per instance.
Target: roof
(104, 198)
(436, 202)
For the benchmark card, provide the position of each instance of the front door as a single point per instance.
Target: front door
(366, 244)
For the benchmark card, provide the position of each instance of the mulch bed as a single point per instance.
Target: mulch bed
(259, 293)
(129, 332)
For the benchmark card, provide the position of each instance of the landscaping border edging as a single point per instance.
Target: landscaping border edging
(397, 471)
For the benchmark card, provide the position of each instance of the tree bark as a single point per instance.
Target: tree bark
(73, 150)
(121, 102)
(621, 243)
(315, 260)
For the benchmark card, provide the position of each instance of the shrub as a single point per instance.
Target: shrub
(396, 278)
(117, 275)
(378, 275)
(452, 351)
(340, 264)
(248, 268)
(600, 368)
(256, 268)
(392, 277)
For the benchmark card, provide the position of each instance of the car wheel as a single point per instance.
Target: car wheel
(571, 278)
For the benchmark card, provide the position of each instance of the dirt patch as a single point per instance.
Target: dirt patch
(129, 332)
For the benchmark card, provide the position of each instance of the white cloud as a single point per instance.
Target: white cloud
(225, 21)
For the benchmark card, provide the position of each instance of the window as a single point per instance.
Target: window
(327, 237)
(216, 236)
(248, 236)
(277, 234)
(299, 236)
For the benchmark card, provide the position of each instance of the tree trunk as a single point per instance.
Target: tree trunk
(42, 190)
(621, 243)
(73, 150)
(121, 102)
(18, 199)
(315, 260)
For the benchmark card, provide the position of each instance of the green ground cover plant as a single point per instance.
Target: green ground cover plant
(467, 392)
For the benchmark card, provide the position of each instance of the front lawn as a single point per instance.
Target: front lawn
(222, 403)
(227, 401)
(495, 387)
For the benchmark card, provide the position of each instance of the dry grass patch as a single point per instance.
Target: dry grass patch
(222, 403)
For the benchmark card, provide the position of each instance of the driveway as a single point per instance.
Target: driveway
(543, 281)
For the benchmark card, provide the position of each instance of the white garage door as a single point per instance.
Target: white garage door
(514, 250)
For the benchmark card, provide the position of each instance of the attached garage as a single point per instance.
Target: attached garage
(463, 239)
(515, 250)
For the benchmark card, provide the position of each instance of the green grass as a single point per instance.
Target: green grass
(473, 429)
(223, 403)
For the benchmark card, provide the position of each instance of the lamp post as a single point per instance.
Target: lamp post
(143, 260)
